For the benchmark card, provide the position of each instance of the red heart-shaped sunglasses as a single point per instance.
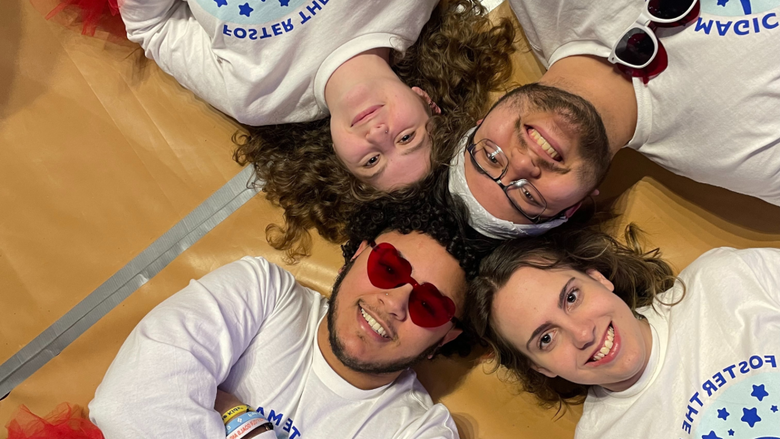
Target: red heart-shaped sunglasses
(387, 269)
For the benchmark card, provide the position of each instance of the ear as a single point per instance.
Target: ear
(595, 193)
(570, 211)
(596, 275)
(423, 94)
(359, 250)
(546, 372)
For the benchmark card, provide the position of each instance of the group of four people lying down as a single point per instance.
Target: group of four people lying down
(391, 152)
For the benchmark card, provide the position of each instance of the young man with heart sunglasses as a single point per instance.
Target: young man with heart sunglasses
(692, 84)
(313, 367)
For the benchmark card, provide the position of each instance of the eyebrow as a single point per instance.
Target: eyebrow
(546, 325)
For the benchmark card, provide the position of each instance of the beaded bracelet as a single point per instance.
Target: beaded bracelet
(250, 426)
(235, 411)
(240, 419)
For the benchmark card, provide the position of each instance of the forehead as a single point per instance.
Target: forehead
(430, 262)
(526, 300)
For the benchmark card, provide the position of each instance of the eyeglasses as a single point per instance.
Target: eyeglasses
(638, 52)
(387, 269)
(490, 160)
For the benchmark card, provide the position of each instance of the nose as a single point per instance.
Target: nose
(521, 165)
(396, 301)
(379, 134)
(583, 333)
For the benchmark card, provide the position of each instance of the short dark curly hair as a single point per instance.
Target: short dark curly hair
(437, 214)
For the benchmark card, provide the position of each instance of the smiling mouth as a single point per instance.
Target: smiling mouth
(376, 326)
(365, 114)
(544, 144)
(609, 342)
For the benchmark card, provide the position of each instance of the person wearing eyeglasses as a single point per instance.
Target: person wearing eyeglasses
(691, 84)
(301, 364)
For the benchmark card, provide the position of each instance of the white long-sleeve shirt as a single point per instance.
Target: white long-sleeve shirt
(266, 62)
(250, 328)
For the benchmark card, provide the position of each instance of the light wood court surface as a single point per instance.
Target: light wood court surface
(101, 153)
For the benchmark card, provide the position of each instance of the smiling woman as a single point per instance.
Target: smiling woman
(388, 130)
(577, 317)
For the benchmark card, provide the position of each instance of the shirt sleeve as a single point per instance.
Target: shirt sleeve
(173, 38)
(435, 423)
(164, 379)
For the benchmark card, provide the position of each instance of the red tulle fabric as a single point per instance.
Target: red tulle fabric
(89, 15)
(67, 421)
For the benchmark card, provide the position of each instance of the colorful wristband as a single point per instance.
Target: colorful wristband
(247, 427)
(235, 411)
(236, 422)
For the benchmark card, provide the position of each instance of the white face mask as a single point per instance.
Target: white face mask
(479, 218)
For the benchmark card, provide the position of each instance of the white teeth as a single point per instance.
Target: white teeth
(541, 141)
(374, 324)
(607, 345)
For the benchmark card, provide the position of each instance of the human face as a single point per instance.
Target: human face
(570, 324)
(543, 146)
(380, 135)
(358, 307)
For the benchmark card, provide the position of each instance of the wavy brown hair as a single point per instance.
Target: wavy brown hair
(459, 58)
(638, 276)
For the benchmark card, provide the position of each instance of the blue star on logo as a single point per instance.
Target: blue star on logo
(759, 392)
(722, 3)
(731, 432)
(245, 9)
(220, 3)
(284, 2)
(723, 414)
(750, 416)
(711, 435)
(774, 409)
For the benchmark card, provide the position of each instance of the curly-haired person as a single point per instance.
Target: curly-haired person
(577, 316)
(312, 366)
(458, 59)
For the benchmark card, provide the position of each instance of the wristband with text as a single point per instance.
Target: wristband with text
(235, 411)
(236, 422)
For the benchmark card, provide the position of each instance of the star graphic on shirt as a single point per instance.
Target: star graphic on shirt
(774, 409)
(220, 3)
(759, 392)
(722, 2)
(750, 416)
(245, 9)
(712, 435)
(723, 414)
(284, 2)
(731, 432)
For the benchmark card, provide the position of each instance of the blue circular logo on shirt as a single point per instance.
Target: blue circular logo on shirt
(749, 409)
(737, 8)
(254, 11)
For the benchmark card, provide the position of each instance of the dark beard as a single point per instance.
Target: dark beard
(359, 366)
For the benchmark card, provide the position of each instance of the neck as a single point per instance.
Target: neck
(371, 64)
(360, 380)
(597, 81)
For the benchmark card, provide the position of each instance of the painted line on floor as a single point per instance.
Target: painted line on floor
(128, 279)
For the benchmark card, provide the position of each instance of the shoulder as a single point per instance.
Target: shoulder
(420, 417)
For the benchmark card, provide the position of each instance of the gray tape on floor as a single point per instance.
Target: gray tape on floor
(124, 282)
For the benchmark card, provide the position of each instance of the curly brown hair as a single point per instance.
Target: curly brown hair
(459, 58)
(638, 276)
